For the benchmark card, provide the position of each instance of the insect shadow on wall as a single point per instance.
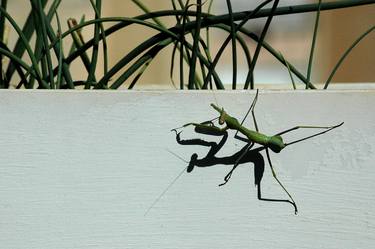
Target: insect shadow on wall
(264, 142)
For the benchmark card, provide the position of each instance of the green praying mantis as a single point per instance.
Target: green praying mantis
(274, 142)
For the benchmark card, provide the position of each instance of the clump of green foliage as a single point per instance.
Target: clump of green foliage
(49, 66)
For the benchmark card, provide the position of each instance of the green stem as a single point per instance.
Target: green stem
(95, 48)
(192, 63)
(313, 44)
(234, 49)
(105, 50)
(27, 47)
(39, 8)
(58, 81)
(259, 46)
(19, 49)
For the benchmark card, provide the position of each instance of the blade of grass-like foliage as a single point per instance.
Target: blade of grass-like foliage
(148, 56)
(95, 48)
(139, 49)
(2, 30)
(18, 61)
(127, 20)
(76, 83)
(152, 41)
(104, 39)
(59, 31)
(120, 19)
(313, 44)
(19, 48)
(179, 47)
(78, 42)
(184, 52)
(17, 66)
(234, 49)
(290, 73)
(259, 46)
(240, 40)
(27, 46)
(285, 10)
(77, 34)
(139, 74)
(37, 7)
(3, 5)
(38, 51)
(208, 40)
(53, 10)
(55, 46)
(41, 58)
(181, 44)
(143, 7)
(172, 64)
(44, 69)
(210, 20)
(225, 43)
(304, 8)
(144, 60)
(207, 28)
(346, 53)
(207, 21)
(38, 54)
(192, 62)
(273, 52)
(198, 82)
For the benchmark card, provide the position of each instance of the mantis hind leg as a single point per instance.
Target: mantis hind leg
(276, 200)
(291, 201)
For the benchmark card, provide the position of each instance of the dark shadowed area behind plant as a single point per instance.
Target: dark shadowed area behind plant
(45, 52)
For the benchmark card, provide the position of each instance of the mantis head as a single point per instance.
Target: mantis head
(276, 143)
(223, 114)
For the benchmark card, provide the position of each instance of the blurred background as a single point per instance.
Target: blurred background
(290, 34)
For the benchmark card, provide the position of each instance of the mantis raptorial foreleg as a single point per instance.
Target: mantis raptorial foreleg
(250, 145)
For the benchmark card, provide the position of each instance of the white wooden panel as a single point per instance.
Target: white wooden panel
(80, 169)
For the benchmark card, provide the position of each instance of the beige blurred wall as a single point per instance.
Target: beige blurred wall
(343, 27)
(122, 42)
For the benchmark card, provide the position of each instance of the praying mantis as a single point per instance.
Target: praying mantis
(275, 142)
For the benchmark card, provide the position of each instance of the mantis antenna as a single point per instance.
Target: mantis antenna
(169, 185)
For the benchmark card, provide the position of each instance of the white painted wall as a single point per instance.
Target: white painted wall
(80, 169)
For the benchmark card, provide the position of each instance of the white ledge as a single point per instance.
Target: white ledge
(79, 169)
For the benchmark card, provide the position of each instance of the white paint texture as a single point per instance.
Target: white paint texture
(79, 170)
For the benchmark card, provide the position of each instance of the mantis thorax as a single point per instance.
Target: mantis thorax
(276, 143)
(231, 122)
